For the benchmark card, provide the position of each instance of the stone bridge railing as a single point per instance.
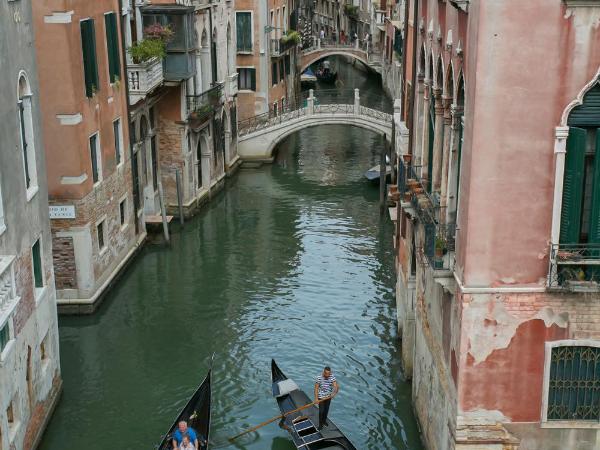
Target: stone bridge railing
(358, 47)
(327, 102)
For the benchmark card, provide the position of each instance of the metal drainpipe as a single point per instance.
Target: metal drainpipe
(128, 109)
(414, 75)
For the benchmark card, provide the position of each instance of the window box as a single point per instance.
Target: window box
(144, 78)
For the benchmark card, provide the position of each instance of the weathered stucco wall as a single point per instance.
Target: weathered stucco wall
(29, 378)
(515, 98)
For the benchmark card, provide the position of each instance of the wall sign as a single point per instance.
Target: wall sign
(62, 212)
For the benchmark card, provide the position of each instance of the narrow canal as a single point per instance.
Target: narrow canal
(291, 261)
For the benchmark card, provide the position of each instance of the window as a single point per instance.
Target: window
(2, 226)
(247, 79)
(243, 23)
(25, 119)
(100, 232)
(4, 336)
(274, 78)
(43, 350)
(154, 162)
(117, 136)
(574, 384)
(90, 63)
(112, 46)
(281, 70)
(286, 60)
(95, 157)
(38, 274)
(123, 211)
(284, 18)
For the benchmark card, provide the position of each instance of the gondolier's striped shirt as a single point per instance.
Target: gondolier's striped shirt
(325, 385)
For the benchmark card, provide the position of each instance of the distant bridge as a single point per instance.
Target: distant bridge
(321, 50)
(258, 136)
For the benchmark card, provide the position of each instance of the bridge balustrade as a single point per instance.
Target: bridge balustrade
(327, 102)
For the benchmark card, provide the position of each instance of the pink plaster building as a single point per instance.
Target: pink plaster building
(95, 229)
(499, 231)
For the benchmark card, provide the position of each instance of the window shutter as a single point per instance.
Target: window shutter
(595, 217)
(37, 265)
(243, 31)
(88, 47)
(430, 139)
(253, 79)
(112, 46)
(570, 217)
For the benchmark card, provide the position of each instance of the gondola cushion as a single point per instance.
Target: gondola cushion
(285, 387)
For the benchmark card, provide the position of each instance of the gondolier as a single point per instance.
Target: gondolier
(326, 386)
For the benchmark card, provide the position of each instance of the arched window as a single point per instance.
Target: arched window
(580, 213)
(25, 119)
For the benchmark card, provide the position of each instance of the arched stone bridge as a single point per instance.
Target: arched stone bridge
(319, 51)
(259, 135)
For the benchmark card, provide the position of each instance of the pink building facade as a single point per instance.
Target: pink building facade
(499, 233)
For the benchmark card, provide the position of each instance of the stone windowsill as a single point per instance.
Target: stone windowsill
(31, 192)
(567, 424)
(13, 431)
(5, 355)
(584, 3)
(39, 294)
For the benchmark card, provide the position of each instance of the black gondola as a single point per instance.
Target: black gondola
(326, 76)
(302, 425)
(196, 413)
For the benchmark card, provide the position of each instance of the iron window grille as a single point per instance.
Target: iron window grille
(574, 384)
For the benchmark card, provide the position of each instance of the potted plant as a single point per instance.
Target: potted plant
(291, 36)
(154, 44)
(440, 247)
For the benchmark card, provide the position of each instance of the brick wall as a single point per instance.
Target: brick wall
(64, 263)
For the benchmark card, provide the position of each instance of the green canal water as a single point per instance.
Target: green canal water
(291, 261)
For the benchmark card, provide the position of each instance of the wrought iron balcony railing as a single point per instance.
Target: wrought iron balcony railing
(439, 244)
(575, 267)
(201, 106)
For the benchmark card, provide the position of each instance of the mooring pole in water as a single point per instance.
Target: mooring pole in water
(179, 195)
(163, 211)
(382, 176)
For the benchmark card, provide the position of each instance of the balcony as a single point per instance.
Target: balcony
(201, 107)
(8, 297)
(231, 86)
(438, 247)
(143, 79)
(575, 267)
(180, 62)
(275, 48)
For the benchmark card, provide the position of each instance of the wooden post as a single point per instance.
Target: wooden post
(163, 211)
(382, 167)
(394, 153)
(179, 195)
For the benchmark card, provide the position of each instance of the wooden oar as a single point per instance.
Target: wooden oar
(280, 416)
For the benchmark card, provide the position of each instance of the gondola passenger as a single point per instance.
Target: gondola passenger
(181, 431)
(186, 444)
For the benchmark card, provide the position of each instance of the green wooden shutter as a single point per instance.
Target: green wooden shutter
(594, 236)
(90, 64)
(37, 265)
(431, 138)
(112, 46)
(253, 79)
(243, 31)
(570, 217)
